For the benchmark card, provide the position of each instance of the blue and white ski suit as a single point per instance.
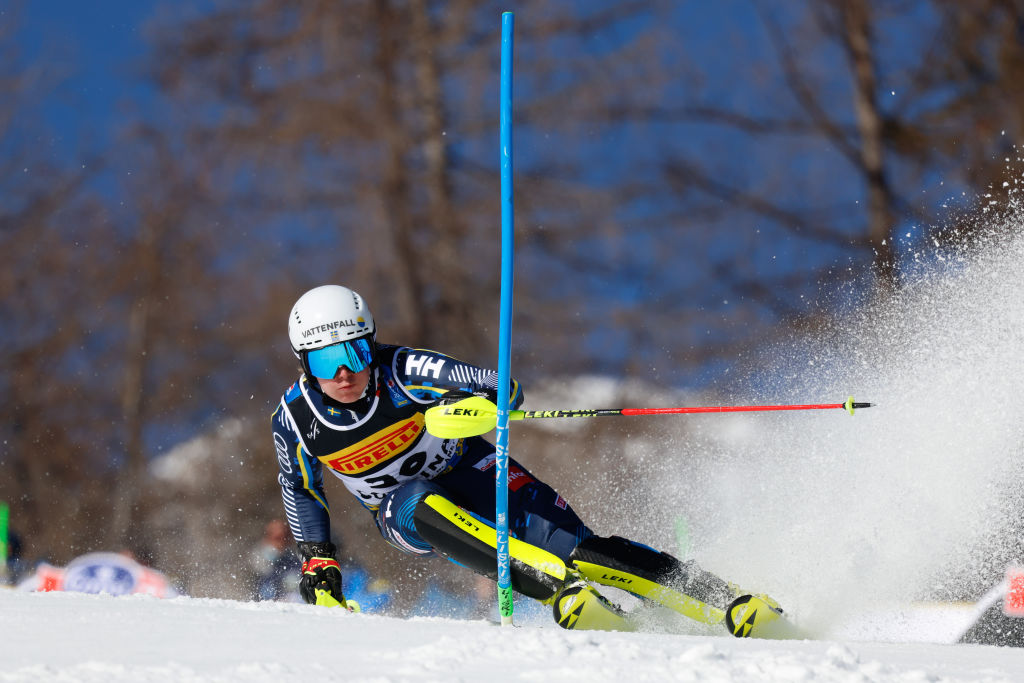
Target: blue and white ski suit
(380, 449)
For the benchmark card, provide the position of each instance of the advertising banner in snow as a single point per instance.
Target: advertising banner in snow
(109, 573)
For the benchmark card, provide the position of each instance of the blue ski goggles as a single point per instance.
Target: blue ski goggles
(356, 355)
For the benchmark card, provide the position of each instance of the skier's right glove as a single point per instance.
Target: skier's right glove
(319, 570)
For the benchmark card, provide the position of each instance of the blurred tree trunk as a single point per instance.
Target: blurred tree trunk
(849, 24)
(855, 30)
(129, 482)
(455, 306)
(975, 59)
(51, 406)
(397, 220)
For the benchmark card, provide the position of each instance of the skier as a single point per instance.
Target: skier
(358, 411)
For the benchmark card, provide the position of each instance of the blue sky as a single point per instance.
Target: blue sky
(104, 43)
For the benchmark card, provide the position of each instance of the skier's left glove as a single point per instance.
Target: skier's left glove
(319, 570)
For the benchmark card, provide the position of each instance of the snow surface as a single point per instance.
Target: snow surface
(100, 638)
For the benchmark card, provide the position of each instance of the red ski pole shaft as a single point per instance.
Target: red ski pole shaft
(849, 406)
(735, 409)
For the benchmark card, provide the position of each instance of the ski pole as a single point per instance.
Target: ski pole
(476, 415)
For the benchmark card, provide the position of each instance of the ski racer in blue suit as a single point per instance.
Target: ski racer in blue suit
(358, 409)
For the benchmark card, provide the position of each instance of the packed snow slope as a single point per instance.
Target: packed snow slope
(102, 639)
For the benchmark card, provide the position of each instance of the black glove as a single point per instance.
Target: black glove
(319, 570)
(456, 395)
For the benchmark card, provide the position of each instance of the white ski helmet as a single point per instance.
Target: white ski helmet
(328, 315)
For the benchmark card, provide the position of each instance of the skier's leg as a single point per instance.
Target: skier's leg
(543, 528)
(471, 541)
(394, 517)
(647, 573)
(421, 519)
(449, 517)
(681, 586)
(536, 513)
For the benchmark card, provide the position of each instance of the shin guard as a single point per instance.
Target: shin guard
(652, 575)
(472, 542)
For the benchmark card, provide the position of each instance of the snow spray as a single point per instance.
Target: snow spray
(916, 499)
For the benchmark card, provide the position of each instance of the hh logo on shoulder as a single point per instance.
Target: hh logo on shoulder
(424, 366)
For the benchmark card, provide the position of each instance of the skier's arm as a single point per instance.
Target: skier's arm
(300, 477)
(305, 506)
(427, 375)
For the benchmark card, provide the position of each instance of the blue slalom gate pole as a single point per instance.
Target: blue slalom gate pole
(505, 605)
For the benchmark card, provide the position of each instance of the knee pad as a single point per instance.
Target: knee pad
(637, 568)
